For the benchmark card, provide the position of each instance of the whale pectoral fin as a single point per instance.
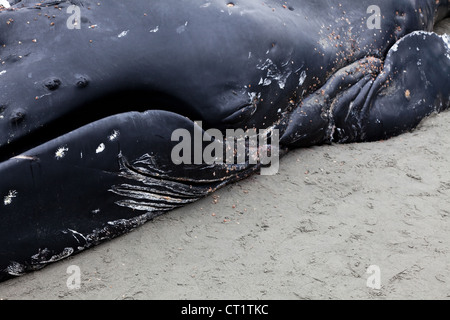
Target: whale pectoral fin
(412, 85)
(313, 120)
(100, 181)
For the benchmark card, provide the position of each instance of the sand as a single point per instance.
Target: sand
(309, 232)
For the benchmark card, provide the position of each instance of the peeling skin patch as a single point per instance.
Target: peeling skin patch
(123, 34)
(302, 78)
(446, 38)
(111, 230)
(8, 198)
(16, 269)
(5, 3)
(2, 72)
(395, 47)
(100, 148)
(45, 256)
(274, 73)
(61, 152)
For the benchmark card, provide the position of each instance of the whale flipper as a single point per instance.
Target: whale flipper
(96, 183)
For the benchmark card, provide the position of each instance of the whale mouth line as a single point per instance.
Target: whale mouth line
(90, 113)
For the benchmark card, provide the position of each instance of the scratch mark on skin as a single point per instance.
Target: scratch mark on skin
(44, 95)
(24, 157)
(156, 196)
(155, 30)
(159, 191)
(77, 233)
(8, 198)
(2, 72)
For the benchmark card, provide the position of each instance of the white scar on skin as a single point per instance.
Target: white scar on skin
(123, 34)
(100, 148)
(114, 135)
(61, 152)
(8, 199)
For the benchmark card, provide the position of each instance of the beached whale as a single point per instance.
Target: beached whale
(91, 93)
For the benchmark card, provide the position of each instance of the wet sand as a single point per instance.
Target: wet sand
(309, 232)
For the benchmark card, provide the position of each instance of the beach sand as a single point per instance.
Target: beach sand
(309, 232)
